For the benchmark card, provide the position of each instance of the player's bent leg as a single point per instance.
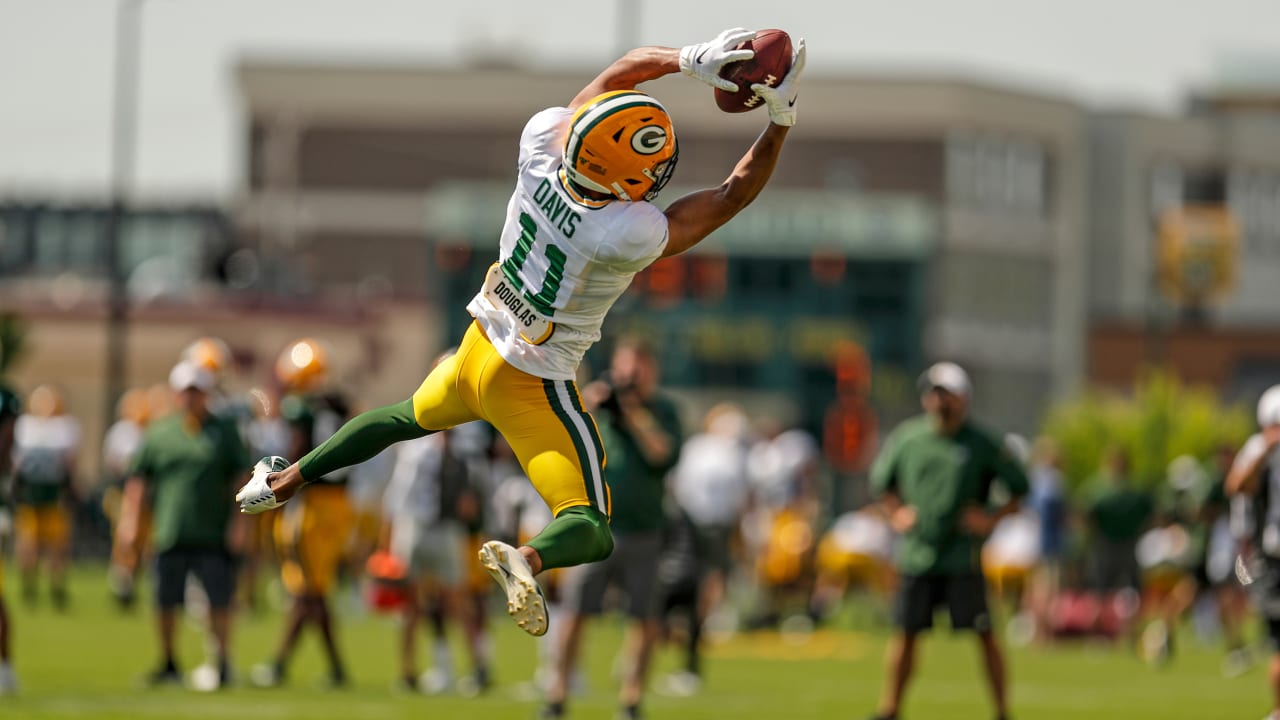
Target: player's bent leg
(559, 448)
(577, 535)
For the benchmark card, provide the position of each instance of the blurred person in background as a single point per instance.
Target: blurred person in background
(1012, 551)
(46, 442)
(786, 516)
(1048, 500)
(640, 428)
(1117, 513)
(424, 528)
(518, 515)
(119, 446)
(10, 410)
(856, 553)
(267, 434)
(313, 536)
(1171, 554)
(679, 574)
(1255, 475)
(577, 232)
(213, 354)
(475, 444)
(366, 489)
(1215, 574)
(710, 485)
(185, 469)
(934, 475)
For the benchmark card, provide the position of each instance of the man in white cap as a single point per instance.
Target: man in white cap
(190, 460)
(1255, 475)
(934, 475)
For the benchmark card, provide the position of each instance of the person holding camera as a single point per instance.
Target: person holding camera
(640, 431)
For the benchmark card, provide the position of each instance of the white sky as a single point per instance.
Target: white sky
(56, 59)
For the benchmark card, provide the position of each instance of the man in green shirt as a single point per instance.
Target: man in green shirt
(1118, 514)
(188, 465)
(934, 474)
(640, 431)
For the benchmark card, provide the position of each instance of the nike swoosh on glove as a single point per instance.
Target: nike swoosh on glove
(782, 99)
(704, 60)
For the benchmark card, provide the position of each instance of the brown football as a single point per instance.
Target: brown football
(769, 66)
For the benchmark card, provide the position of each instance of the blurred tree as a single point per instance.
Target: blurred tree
(1161, 420)
(13, 337)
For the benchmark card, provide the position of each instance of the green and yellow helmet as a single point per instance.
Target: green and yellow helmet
(622, 144)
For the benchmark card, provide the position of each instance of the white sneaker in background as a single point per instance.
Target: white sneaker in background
(8, 680)
(435, 682)
(681, 684)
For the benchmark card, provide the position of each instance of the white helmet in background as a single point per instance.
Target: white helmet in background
(1269, 407)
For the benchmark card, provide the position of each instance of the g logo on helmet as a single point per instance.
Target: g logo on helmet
(649, 139)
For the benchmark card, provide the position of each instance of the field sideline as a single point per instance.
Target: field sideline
(87, 665)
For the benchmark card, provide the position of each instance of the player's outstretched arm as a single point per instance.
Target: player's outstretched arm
(702, 61)
(697, 215)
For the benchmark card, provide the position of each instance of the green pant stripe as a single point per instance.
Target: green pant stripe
(557, 396)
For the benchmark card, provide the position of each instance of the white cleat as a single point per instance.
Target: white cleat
(525, 602)
(256, 496)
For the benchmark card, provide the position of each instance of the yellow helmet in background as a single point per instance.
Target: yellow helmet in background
(622, 144)
(46, 401)
(159, 400)
(210, 353)
(133, 406)
(303, 365)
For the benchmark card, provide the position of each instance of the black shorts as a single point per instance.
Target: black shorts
(919, 596)
(714, 554)
(213, 568)
(632, 567)
(682, 595)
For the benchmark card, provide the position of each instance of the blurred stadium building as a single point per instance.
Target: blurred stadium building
(1033, 240)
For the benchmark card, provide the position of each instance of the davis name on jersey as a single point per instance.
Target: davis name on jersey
(564, 259)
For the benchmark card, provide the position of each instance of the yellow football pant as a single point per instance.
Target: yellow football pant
(312, 535)
(555, 440)
(44, 526)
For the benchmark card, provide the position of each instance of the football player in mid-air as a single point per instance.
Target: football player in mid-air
(579, 226)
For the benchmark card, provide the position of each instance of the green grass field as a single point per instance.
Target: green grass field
(87, 665)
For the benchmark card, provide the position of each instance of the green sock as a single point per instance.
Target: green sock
(578, 535)
(364, 436)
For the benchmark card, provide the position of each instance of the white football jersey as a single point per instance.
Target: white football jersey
(44, 448)
(564, 260)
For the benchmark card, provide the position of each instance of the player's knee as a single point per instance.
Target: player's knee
(605, 541)
(601, 544)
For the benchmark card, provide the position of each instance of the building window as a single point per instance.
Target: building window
(1254, 199)
(1166, 188)
(997, 173)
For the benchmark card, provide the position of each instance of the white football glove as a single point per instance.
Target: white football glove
(256, 495)
(782, 99)
(704, 60)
